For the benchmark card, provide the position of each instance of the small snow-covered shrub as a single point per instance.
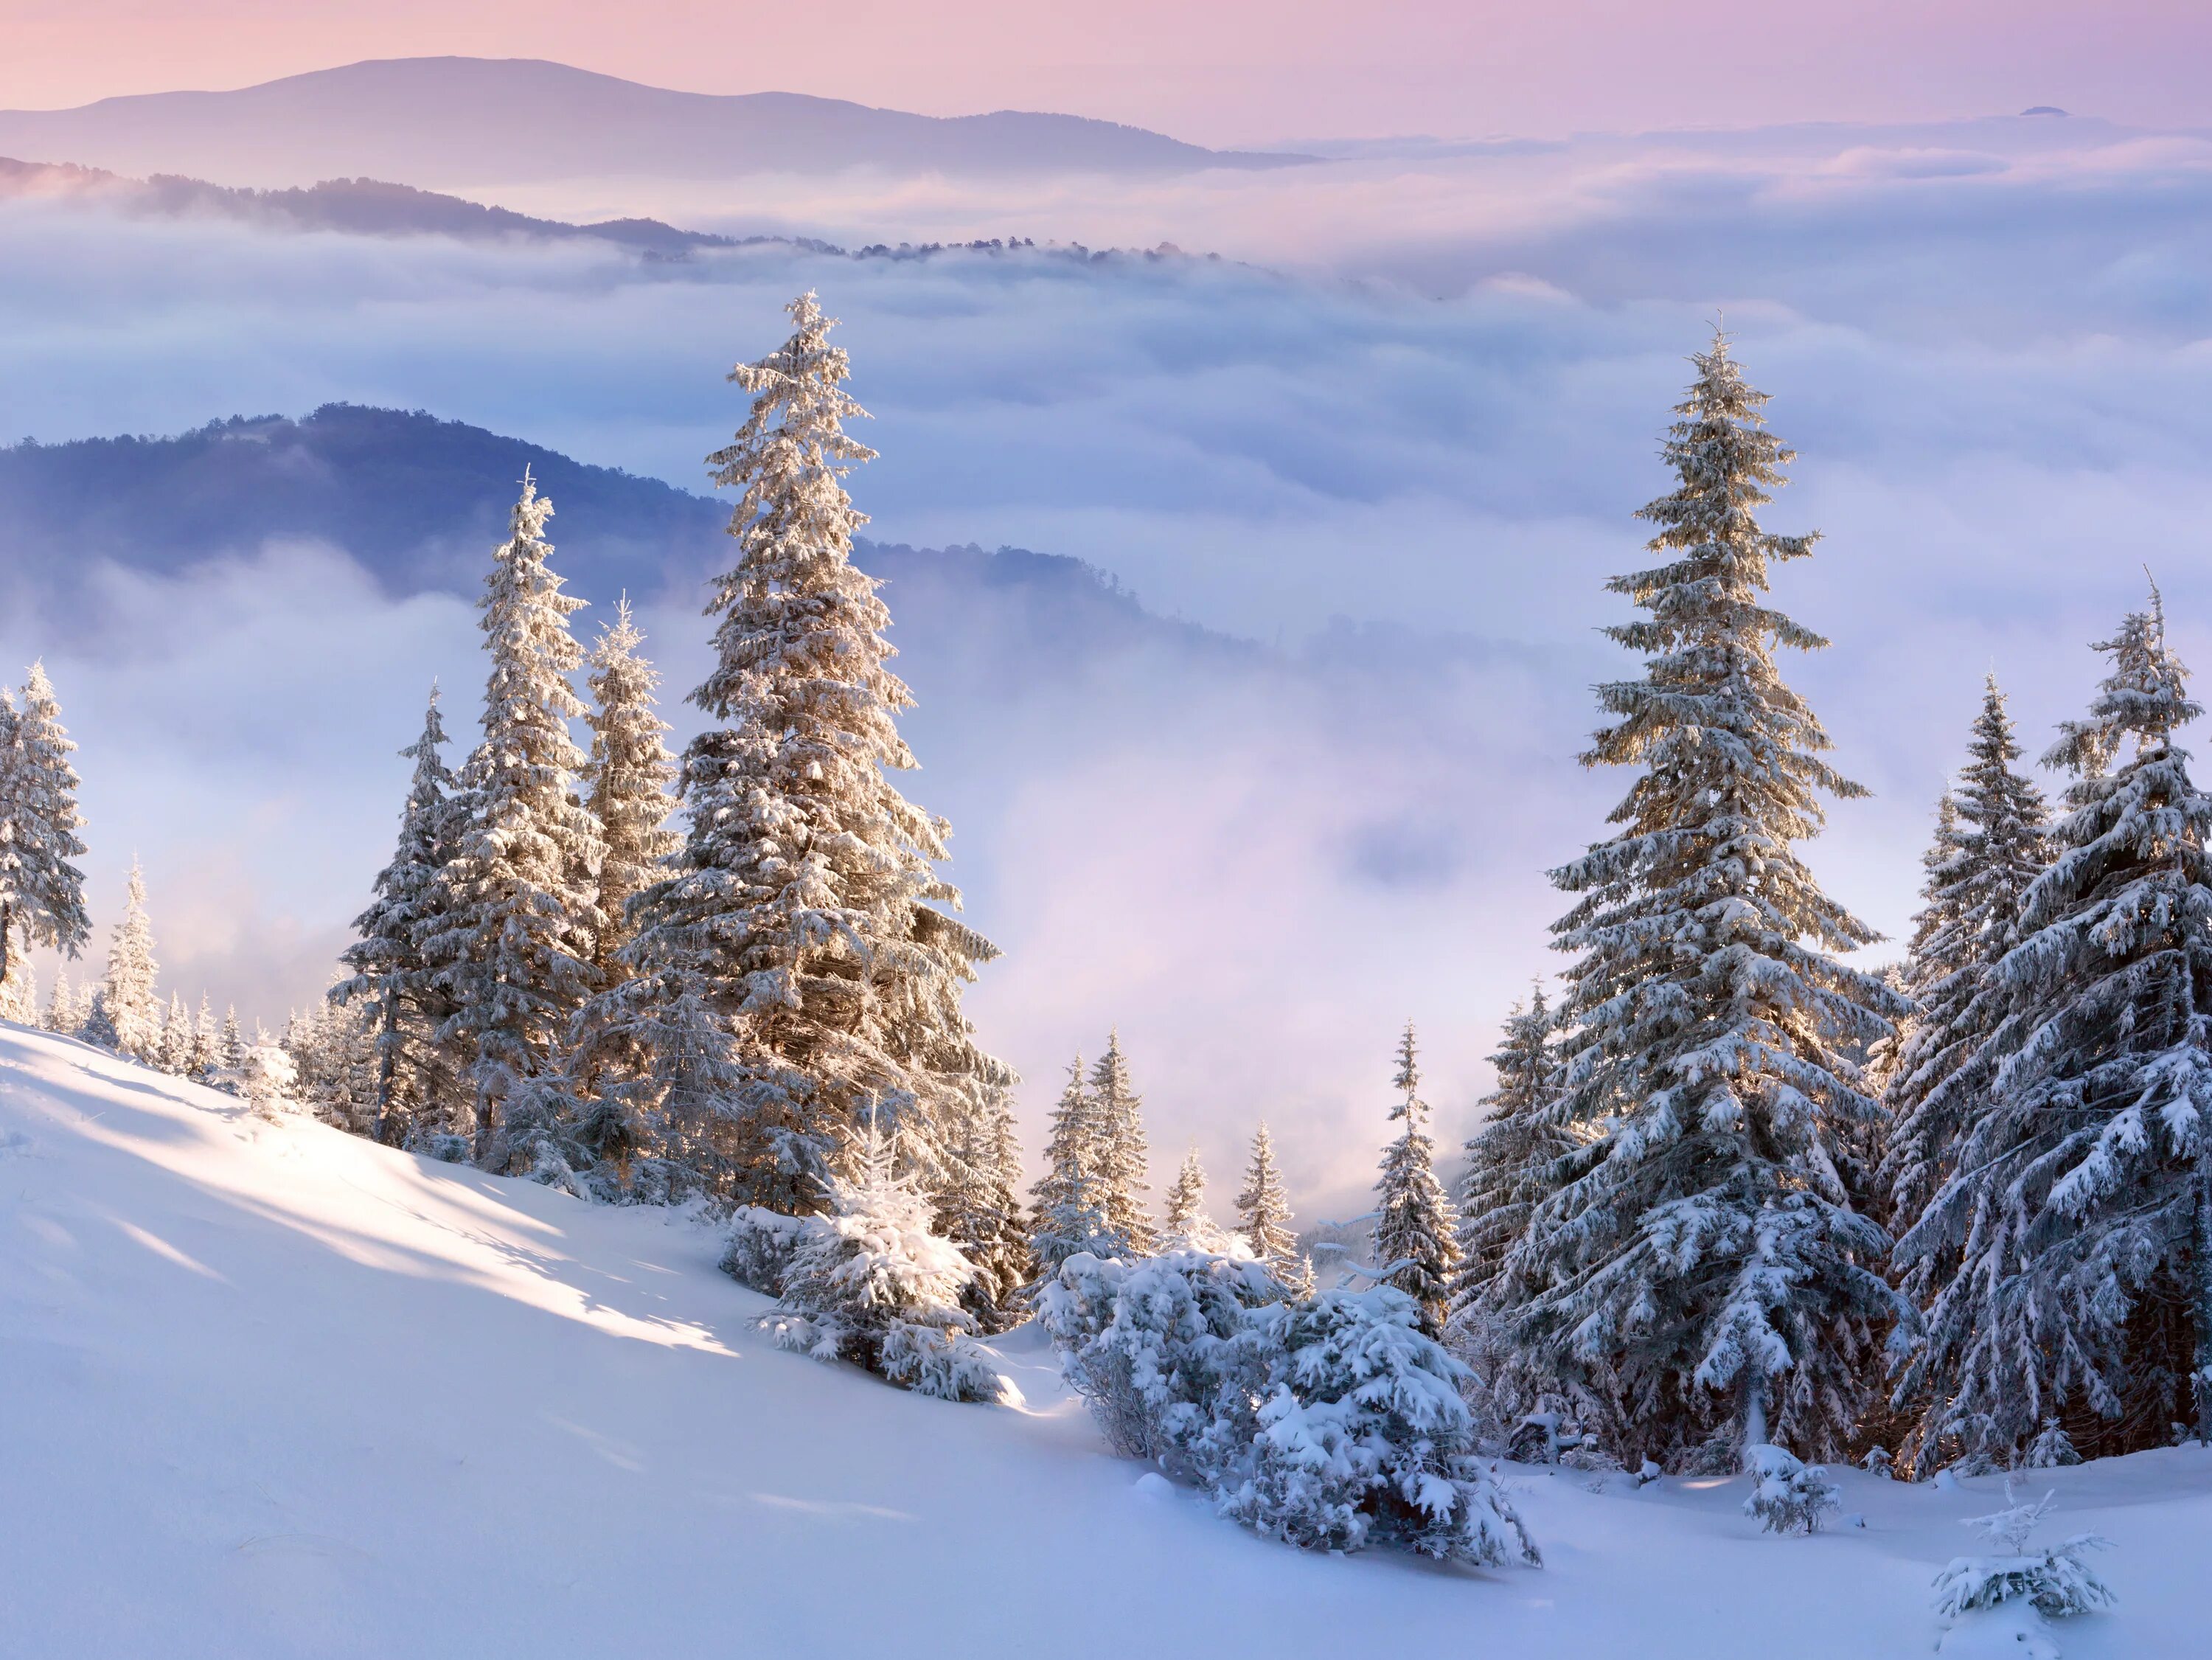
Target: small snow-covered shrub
(1331, 1423)
(1364, 1437)
(267, 1078)
(1788, 1495)
(871, 1284)
(2057, 1580)
(2051, 1450)
(1151, 1346)
(1878, 1462)
(761, 1244)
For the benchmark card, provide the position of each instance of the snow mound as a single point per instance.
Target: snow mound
(271, 1390)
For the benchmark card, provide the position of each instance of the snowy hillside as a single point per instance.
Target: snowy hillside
(270, 1389)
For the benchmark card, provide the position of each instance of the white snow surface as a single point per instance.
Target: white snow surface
(267, 1390)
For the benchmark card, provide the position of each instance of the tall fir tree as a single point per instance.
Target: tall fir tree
(1124, 1159)
(800, 965)
(1416, 1229)
(420, 1088)
(41, 889)
(981, 1212)
(2079, 1200)
(514, 950)
(1071, 1196)
(1185, 1223)
(628, 777)
(1513, 1160)
(1703, 1272)
(1263, 1215)
(1992, 842)
(130, 1006)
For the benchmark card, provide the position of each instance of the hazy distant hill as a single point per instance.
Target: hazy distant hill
(473, 120)
(366, 207)
(421, 502)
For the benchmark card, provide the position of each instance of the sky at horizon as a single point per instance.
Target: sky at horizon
(1231, 72)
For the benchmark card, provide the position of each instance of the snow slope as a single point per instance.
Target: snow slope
(266, 1390)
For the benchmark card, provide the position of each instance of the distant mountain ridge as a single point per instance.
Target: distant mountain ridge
(420, 503)
(449, 121)
(374, 207)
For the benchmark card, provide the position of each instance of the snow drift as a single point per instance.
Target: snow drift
(273, 1391)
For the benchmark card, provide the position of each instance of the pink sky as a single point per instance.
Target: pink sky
(1218, 72)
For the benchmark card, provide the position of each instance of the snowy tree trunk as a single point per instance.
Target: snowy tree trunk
(2200, 1287)
(1754, 1412)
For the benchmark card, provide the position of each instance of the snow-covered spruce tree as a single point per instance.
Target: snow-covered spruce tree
(872, 1283)
(1124, 1156)
(333, 1046)
(1510, 1160)
(2081, 1194)
(796, 963)
(173, 1049)
(128, 998)
(99, 1027)
(1416, 1229)
(513, 951)
(1263, 1214)
(1187, 1226)
(42, 891)
(1789, 1495)
(230, 1047)
(981, 1212)
(1992, 842)
(1703, 1272)
(1071, 1207)
(419, 1089)
(205, 1056)
(62, 1014)
(627, 780)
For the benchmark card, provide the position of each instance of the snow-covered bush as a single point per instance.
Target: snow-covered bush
(1877, 1462)
(2051, 1450)
(871, 1284)
(1365, 1438)
(267, 1078)
(2056, 1580)
(1788, 1495)
(1331, 1422)
(1153, 1347)
(761, 1244)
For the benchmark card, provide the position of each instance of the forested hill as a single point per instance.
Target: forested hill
(421, 502)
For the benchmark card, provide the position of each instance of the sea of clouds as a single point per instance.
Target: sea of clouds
(1394, 441)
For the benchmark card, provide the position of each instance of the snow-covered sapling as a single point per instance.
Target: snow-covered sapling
(2056, 1579)
(267, 1078)
(872, 1283)
(1877, 1462)
(1788, 1495)
(2051, 1450)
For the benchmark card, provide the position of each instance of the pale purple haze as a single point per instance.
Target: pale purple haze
(1223, 72)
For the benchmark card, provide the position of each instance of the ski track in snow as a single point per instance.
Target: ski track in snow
(270, 1391)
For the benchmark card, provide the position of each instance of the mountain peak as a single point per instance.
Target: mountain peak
(485, 121)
